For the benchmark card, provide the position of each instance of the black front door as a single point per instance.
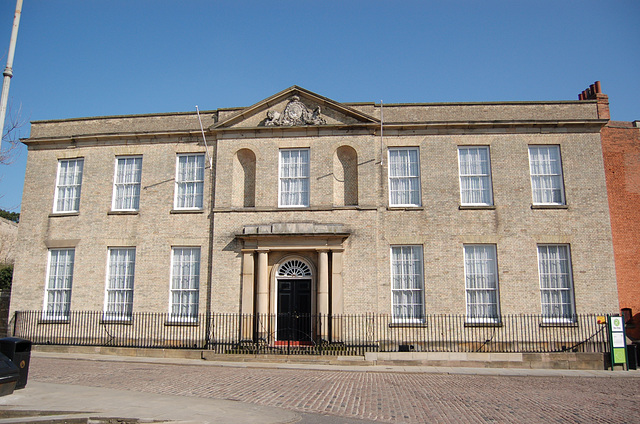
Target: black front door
(294, 310)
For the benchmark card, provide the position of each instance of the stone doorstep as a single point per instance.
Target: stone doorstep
(288, 359)
(568, 360)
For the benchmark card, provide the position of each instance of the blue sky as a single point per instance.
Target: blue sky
(91, 58)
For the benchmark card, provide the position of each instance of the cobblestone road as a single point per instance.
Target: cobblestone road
(382, 397)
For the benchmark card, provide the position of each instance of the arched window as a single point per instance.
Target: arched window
(244, 179)
(345, 177)
(294, 268)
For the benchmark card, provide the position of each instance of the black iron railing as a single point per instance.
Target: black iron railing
(314, 334)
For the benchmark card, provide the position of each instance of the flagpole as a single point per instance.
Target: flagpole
(8, 71)
(206, 148)
(381, 134)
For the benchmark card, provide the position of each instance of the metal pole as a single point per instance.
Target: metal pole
(381, 134)
(206, 148)
(208, 316)
(8, 71)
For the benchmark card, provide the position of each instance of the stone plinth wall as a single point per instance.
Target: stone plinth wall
(562, 360)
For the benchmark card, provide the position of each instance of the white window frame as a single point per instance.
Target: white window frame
(126, 184)
(481, 277)
(402, 197)
(57, 290)
(552, 178)
(67, 194)
(554, 272)
(407, 282)
(189, 275)
(476, 176)
(120, 284)
(297, 173)
(192, 197)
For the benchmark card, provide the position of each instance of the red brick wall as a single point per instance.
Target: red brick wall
(621, 150)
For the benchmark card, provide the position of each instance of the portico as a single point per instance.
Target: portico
(292, 268)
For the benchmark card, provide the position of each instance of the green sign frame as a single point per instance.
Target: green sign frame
(617, 341)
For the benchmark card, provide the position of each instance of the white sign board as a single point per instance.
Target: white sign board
(618, 340)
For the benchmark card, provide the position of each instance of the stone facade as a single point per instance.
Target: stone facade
(343, 236)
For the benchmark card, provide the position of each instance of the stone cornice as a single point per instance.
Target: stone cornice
(370, 128)
(498, 124)
(147, 135)
(295, 229)
(478, 126)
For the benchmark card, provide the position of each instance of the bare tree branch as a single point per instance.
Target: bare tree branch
(11, 138)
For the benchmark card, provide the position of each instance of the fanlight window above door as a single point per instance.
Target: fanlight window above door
(294, 268)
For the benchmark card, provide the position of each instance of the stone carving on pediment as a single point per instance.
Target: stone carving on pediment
(295, 113)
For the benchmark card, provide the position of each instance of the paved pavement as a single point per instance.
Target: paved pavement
(210, 392)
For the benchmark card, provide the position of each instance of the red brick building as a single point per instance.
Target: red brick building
(621, 151)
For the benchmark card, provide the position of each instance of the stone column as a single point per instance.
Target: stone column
(322, 297)
(262, 297)
(247, 294)
(337, 300)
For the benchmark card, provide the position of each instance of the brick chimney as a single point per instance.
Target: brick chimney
(594, 92)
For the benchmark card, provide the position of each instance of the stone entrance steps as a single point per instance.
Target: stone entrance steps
(288, 359)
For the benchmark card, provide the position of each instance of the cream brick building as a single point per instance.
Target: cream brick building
(315, 206)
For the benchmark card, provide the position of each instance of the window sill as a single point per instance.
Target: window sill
(123, 213)
(122, 321)
(346, 207)
(405, 208)
(186, 211)
(476, 207)
(61, 214)
(483, 324)
(182, 323)
(54, 321)
(558, 324)
(533, 206)
(292, 208)
(408, 325)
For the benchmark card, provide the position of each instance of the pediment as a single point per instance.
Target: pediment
(295, 107)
